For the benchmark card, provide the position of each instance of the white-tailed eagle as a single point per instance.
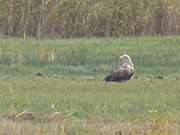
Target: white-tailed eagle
(124, 71)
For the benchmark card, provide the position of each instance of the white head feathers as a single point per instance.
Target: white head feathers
(126, 62)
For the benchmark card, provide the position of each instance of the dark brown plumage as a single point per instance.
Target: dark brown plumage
(124, 72)
(119, 75)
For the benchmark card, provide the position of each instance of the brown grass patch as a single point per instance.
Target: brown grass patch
(27, 123)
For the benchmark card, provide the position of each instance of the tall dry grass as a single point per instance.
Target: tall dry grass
(77, 18)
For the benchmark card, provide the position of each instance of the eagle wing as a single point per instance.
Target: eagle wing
(122, 74)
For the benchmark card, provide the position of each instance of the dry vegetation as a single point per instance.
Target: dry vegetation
(77, 18)
(64, 126)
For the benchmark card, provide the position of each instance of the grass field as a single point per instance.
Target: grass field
(73, 85)
(151, 55)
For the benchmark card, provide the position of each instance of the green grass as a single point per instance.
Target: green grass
(151, 55)
(73, 83)
(83, 98)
